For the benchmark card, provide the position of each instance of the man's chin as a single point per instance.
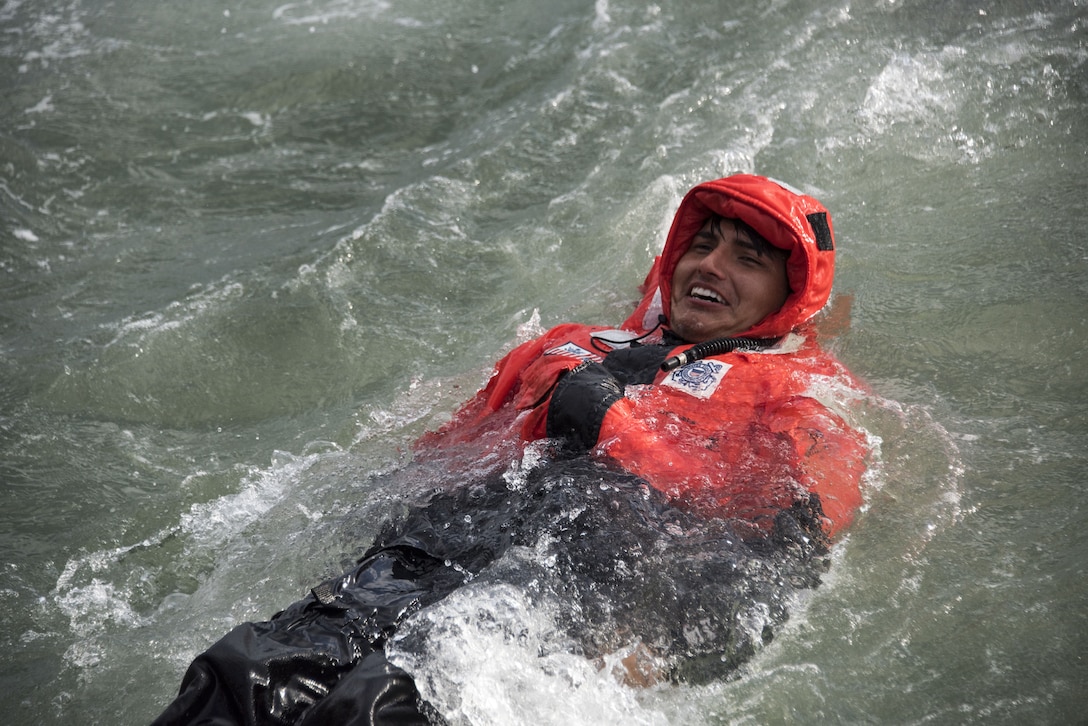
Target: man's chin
(696, 328)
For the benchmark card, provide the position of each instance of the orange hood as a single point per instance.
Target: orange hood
(785, 217)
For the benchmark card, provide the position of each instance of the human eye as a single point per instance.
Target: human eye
(750, 256)
(703, 241)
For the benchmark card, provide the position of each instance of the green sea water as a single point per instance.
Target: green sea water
(250, 251)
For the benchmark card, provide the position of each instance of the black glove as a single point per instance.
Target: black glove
(579, 403)
(637, 363)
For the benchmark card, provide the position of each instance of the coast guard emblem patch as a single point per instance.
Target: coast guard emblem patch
(700, 378)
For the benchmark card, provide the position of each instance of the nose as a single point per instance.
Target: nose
(715, 263)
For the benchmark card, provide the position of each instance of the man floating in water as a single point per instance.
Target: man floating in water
(694, 466)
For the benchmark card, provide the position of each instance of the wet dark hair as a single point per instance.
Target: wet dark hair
(758, 241)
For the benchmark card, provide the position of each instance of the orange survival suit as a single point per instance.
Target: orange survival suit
(744, 430)
(743, 433)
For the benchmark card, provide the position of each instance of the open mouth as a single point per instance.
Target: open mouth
(702, 293)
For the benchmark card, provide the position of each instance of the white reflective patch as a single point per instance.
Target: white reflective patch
(615, 338)
(790, 344)
(572, 350)
(655, 309)
(700, 378)
(787, 187)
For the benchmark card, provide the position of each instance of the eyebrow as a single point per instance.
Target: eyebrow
(743, 241)
(757, 244)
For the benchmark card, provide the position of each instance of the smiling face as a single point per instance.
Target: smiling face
(726, 282)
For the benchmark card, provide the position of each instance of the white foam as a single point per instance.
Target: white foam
(91, 607)
(302, 13)
(491, 656)
(218, 520)
(177, 314)
(43, 106)
(911, 89)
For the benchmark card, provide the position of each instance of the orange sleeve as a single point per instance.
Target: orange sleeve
(521, 381)
(831, 456)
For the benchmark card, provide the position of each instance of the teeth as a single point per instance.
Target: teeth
(706, 294)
